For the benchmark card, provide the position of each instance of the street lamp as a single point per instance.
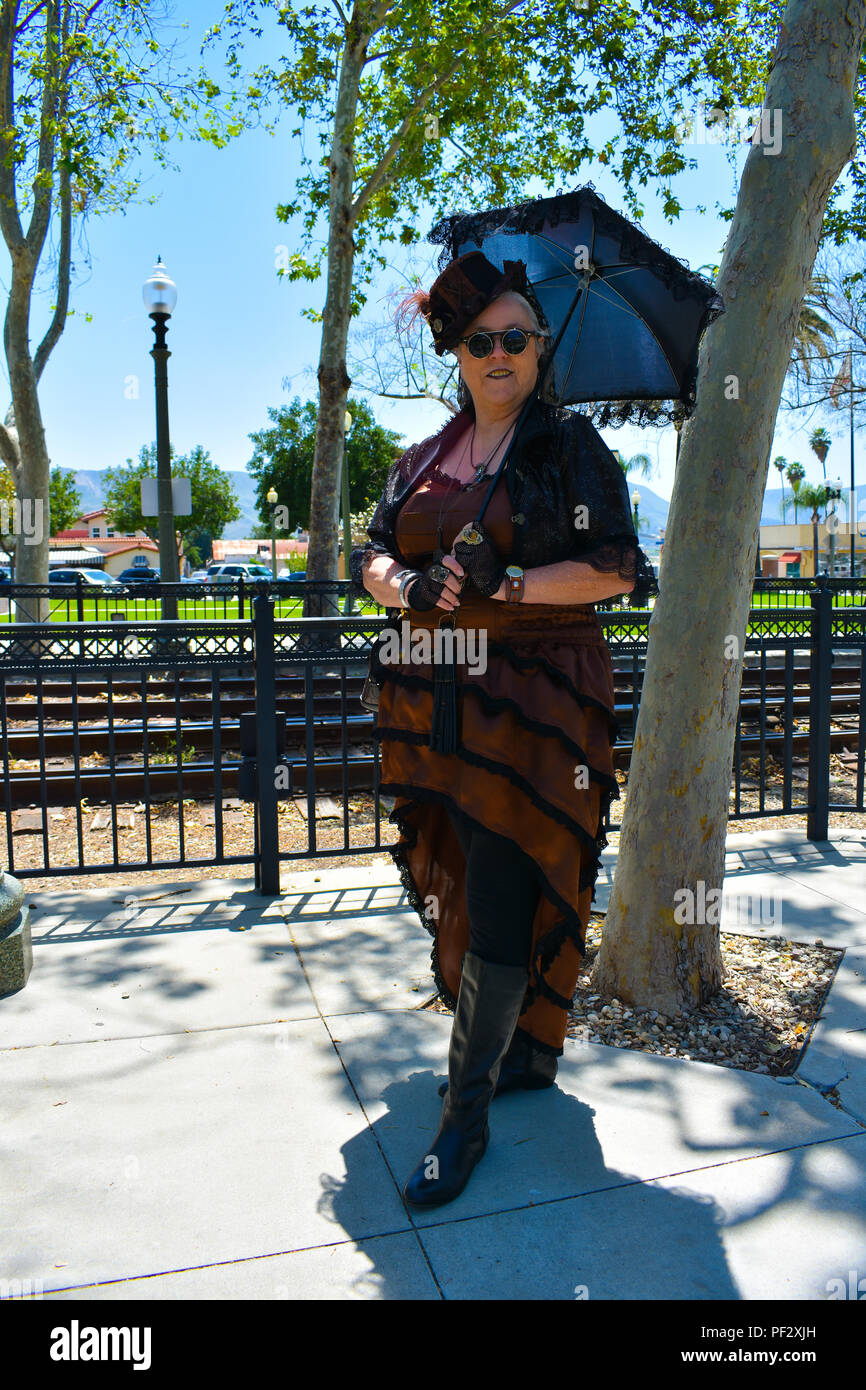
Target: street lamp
(635, 497)
(347, 519)
(159, 293)
(272, 503)
(834, 494)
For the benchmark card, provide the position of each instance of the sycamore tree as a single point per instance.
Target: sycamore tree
(402, 365)
(439, 103)
(85, 87)
(660, 947)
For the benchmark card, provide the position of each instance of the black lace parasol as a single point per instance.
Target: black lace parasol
(625, 315)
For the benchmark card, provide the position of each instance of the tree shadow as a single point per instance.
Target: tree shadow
(542, 1217)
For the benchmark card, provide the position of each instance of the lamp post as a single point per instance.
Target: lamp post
(347, 519)
(834, 494)
(272, 503)
(635, 498)
(159, 293)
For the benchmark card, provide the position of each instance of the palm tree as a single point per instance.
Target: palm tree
(781, 463)
(814, 496)
(795, 473)
(641, 461)
(819, 442)
(812, 330)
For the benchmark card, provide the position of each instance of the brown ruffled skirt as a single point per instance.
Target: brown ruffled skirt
(536, 730)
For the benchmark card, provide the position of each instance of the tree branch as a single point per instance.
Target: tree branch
(10, 221)
(64, 261)
(19, 28)
(343, 19)
(42, 190)
(377, 178)
(8, 451)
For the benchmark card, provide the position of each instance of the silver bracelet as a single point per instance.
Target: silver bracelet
(406, 577)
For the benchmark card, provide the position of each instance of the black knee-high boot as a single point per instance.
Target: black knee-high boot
(488, 1006)
(524, 1068)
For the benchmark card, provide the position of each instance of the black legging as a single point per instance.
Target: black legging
(502, 891)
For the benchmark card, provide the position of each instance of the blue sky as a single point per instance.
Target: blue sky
(238, 340)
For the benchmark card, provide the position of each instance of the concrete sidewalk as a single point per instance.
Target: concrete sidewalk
(207, 1094)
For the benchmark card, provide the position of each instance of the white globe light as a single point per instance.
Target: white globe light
(159, 291)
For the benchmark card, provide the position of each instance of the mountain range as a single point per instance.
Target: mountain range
(652, 512)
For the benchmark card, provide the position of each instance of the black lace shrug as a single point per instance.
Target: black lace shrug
(559, 464)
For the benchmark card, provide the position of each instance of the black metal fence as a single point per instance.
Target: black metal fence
(137, 743)
(83, 601)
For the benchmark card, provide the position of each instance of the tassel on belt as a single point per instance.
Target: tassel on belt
(444, 737)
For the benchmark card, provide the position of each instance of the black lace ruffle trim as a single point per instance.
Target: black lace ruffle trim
(357, 560)
(501, 770)
(536, 1044)
(500, 703)
(621, 556)
(523, 663)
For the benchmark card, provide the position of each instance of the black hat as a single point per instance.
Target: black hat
(463, 290)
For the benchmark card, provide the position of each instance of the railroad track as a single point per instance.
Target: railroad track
(88, 744)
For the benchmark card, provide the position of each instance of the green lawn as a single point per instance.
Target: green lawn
(218, 608)
(212, 608)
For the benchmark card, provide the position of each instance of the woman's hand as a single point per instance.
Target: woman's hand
(480, 560)
(438, 586)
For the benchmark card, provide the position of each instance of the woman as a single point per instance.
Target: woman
(500, 824)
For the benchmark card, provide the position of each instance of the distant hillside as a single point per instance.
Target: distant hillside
(653, 512)
(89, 482)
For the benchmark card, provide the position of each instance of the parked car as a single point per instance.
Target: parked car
(289, 576)
(231, 573)
(137, 574)
(5, 574)
(94, 579)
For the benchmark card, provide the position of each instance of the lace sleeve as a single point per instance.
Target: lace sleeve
(380, 531)
(606, 538)
(623, 557)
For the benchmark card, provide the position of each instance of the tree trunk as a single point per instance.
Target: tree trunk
(333, 378)
(31, 473)
(673, 832)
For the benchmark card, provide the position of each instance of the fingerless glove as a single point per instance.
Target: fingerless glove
(480, 560)
(426, 591)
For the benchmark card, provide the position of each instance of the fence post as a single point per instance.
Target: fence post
(79, 595)
(821, 674)
(267, 826)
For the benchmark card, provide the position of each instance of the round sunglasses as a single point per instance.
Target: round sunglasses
(513, 341)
